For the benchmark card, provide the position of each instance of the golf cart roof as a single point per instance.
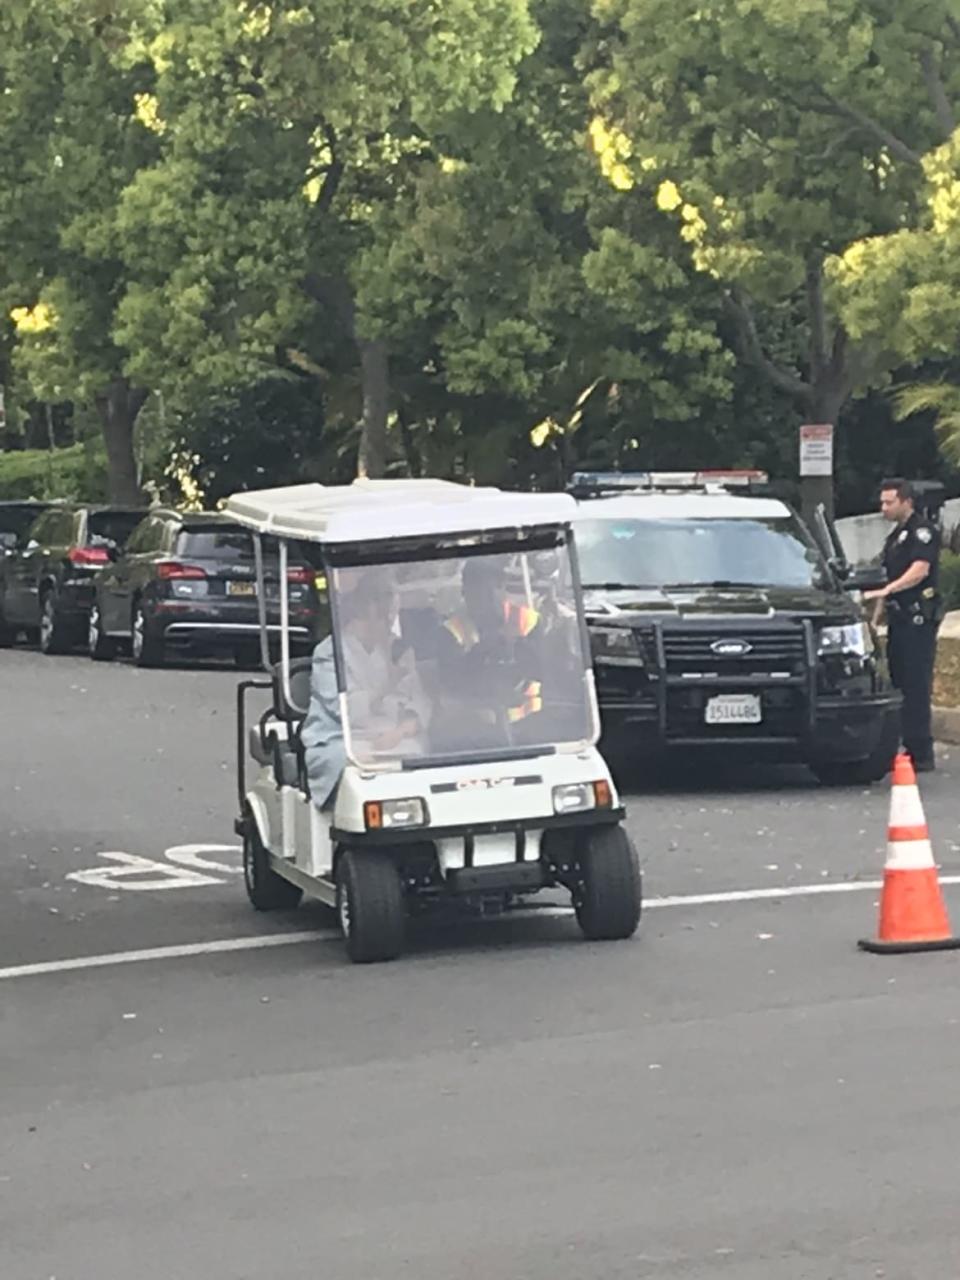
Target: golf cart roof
(390, 510)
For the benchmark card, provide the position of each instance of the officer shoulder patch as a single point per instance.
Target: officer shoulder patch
(924, 535)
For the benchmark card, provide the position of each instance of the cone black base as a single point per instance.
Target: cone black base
(906, 948)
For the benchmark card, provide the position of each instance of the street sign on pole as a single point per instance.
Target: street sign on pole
(816, 450)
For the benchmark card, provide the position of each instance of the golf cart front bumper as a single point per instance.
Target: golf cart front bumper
(464, 851)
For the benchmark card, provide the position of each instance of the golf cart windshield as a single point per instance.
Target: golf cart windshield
(462, 656)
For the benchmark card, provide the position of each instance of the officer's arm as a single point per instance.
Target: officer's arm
(917, 573)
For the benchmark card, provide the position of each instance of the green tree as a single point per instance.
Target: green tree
(283, 129)
(511, 306)
(70, 142)
(776, 134)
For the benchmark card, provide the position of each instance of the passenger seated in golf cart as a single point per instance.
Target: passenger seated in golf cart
(386, 704)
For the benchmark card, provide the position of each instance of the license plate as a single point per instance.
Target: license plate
(241, 589)
(734, 708)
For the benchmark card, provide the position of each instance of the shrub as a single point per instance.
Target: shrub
(78, 472)
(950, 579)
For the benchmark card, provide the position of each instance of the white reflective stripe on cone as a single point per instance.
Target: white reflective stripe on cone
(906, 809)
(909, 855)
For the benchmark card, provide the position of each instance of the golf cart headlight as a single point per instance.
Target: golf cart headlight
(614, 642)
(854, 638)
(578, 797)
(394, 815)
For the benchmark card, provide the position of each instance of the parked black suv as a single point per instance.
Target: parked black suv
(187, 581)
(47, 584)
(716, 620)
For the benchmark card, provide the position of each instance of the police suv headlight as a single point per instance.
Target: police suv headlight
(394, 815)
(578, 797)
(615, 642)
(854, 638)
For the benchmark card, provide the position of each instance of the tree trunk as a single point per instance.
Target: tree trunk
(375, 372)
(118, 407)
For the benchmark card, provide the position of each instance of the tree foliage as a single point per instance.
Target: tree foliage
(485, 238)
(778, 134)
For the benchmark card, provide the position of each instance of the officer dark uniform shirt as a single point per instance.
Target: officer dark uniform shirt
(913, 617)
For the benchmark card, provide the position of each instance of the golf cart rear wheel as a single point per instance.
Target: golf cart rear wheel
(266, 890)
(609, 895)
(370, 906)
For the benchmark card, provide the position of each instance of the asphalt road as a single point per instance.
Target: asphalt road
(737, 1092)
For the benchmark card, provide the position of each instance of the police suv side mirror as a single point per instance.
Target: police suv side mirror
(866, 578)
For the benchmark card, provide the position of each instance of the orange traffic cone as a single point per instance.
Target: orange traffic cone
(912, 912)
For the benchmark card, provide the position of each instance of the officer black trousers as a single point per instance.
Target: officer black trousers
(911, 651)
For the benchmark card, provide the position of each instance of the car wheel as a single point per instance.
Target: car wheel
(862, 773)
(54, 636)
(850, 773)
(370, 906)
(608, 897)
(266, 890)
(100, 647)
(147, 648)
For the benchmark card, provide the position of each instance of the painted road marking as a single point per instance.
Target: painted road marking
(261, 941)
(133, 873)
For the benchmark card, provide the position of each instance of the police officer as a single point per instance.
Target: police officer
(914, 612)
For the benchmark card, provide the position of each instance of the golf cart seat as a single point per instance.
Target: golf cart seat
(294, 712)
(276, 739)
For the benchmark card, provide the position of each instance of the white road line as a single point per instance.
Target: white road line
(262, 941)
(257, 943)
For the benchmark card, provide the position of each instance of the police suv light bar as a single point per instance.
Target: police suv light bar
(627, 481)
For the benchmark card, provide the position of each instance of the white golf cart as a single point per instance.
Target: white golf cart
(493, 789)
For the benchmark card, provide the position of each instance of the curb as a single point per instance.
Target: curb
(946, 724)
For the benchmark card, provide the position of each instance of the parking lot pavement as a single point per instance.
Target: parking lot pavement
(736, 1092)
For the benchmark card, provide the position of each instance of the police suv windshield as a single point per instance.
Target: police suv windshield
(456, 658)
(698, 553)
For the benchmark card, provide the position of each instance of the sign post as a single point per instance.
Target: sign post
(816, 468)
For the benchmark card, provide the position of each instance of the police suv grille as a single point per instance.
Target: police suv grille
(763, 652)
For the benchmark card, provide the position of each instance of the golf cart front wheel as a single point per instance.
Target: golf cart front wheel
(608, 897)
(266, 890)
(370, 906)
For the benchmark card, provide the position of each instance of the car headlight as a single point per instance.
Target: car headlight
(853, 638)
(394, 815)
(615, 642)
(578, 797)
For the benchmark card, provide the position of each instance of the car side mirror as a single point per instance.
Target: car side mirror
(867, 578)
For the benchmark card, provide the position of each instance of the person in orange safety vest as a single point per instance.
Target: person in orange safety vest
(490, 628)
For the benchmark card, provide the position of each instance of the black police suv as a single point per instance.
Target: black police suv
(46, 587)
(187, 583)
(716, 620)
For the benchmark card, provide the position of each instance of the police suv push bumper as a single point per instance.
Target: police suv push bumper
(746, 684)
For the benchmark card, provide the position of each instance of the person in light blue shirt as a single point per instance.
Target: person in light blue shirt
(386, 706)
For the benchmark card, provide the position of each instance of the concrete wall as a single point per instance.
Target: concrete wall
(862, 536)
